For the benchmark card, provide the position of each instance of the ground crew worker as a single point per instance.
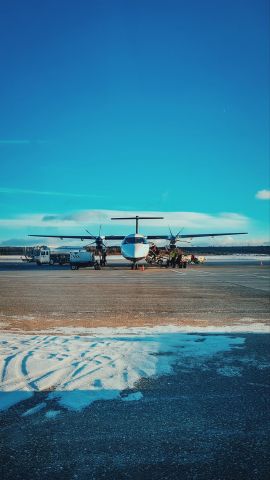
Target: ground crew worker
(173, 258)
(179, 260)
(104, 256)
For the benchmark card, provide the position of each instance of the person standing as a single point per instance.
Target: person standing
(104, 257)
(173, 258)
(179, 260)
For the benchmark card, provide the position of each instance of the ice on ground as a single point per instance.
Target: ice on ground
(229, 371)
(135, 396)
(52, 413)
(10, 398)
(244, 325)
(35, 409)
(79, 399)
(78, 370)
(238, 257)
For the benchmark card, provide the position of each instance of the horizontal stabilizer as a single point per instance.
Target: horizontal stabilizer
(137, 218)
(134, 218)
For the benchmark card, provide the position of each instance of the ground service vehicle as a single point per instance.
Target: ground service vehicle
(82, 258)
(47, 256)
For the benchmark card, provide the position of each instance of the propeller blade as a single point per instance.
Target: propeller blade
(90, 233)
(181, 229)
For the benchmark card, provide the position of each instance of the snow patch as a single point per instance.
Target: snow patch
(78, 370)
(8, 399)
(229, 371)
(135, 396)
(52, 413)
(35, 409)
(244, 325)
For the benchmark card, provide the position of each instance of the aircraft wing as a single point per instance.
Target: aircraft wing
(212, 234)
(168, 237)
(115, 237)
(83, 237)
(150, 237)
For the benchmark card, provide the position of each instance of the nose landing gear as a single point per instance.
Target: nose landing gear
(134, 266)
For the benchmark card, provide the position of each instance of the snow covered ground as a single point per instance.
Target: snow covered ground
(209, 258)
(102, 365)
(238, 257)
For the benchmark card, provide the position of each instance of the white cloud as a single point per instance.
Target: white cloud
(263, 195)
(21, 191)
(230, 241)
(193, 222)
(22, 142)
(188, 220)
(177, 220)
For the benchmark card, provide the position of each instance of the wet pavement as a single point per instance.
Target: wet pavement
(206, 419)
(181, 410)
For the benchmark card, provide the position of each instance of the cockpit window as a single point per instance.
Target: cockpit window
(134, 240)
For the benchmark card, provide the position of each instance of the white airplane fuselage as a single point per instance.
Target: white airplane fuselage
(134, 247)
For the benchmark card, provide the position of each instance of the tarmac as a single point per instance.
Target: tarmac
(205, 415)
(46, 297)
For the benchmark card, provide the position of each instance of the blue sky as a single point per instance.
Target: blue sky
(134, 106)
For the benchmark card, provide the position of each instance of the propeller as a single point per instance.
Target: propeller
(175, 238)
(99, 240)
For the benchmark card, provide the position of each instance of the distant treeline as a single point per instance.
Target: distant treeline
(115, 250)
(260, 249)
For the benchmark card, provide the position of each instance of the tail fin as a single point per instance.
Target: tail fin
(137, 218)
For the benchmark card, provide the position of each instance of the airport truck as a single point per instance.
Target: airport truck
(76, 257)
(82, 258)
(48, 256)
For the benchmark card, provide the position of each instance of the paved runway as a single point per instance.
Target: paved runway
(143, 404)
(207, 419)
(37, 298)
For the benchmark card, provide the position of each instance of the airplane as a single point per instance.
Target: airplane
(135, 246)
